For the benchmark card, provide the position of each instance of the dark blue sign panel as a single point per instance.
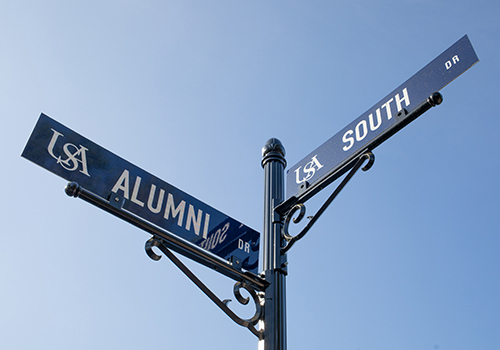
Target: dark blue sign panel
(334, 154)
(75, 158)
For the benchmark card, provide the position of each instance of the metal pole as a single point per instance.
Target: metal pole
(273, 261)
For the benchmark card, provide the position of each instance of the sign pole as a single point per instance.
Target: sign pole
(273, 259)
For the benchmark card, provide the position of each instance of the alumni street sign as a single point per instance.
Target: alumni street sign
(131, 189)
(334, 157)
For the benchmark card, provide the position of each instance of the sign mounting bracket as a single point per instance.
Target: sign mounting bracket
(222, 304)
(113, 205)
(300, 206)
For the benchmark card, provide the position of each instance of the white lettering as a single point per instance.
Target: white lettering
(159, 204)
(245, 246)
(361, 130)
(170, 207)
(405, 98)
(122, 184)
(83, 160)
(223, 236)
(449, 64)
(387, 106)
(52, 143)
(348, 139)
(207, 243)
(135, 191)
(66, 164)
(297, 180)
(310, 168)
(72, 158)
(218, 237)
(196, 220)
(207, 221)
(379, 120)
(214, 240)
(365, 130)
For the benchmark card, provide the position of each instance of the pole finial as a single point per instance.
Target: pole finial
(273, 150)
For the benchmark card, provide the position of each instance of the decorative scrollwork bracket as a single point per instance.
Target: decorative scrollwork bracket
(291, 240)
(222, 304)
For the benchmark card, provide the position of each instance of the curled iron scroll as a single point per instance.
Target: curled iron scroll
(222, 304)
(244, 301)
(296, 220)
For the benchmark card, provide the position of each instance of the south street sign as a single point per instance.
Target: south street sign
(334, 157)
(106, 178)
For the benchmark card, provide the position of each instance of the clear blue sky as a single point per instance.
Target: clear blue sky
(406, 258)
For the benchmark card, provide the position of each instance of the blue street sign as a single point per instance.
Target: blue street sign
(75, 158)
(328, 161)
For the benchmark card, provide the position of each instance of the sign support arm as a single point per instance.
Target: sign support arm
(292, 239)
(114, 207)
(222, 304)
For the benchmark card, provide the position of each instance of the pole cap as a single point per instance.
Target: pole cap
(273, 150)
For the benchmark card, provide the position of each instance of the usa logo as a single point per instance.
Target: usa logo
(75, 157)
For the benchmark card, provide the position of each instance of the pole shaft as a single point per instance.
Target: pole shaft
(273, 261)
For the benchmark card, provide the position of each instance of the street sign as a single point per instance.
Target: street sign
(75, 158)
(333, 158)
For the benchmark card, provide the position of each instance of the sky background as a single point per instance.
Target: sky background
(406, 258)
